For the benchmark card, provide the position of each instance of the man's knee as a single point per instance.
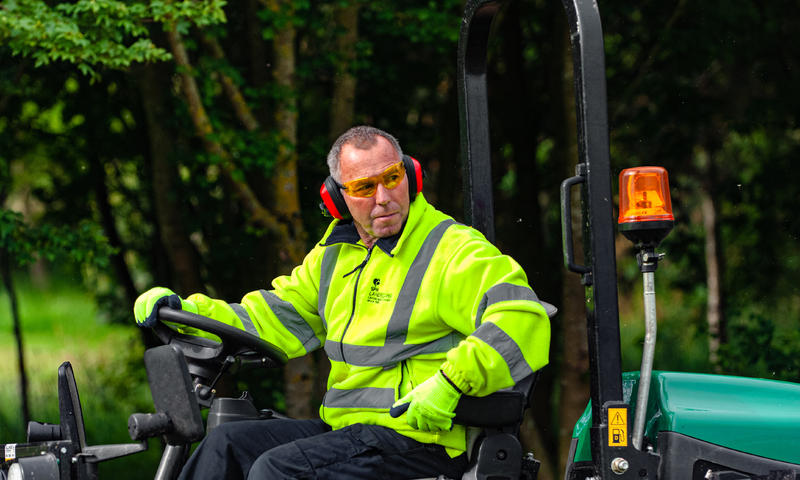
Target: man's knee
(285, 461)
(225, 434)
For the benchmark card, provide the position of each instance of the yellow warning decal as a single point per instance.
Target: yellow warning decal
(617, 427)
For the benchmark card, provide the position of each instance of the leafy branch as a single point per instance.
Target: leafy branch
(96, 33)
(24, 243)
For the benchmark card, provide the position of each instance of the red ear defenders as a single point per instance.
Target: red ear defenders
(333, 203)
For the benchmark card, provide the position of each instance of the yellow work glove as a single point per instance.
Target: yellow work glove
(145, 309)
(430, 404)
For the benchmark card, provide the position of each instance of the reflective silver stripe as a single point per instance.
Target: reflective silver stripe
(326, 274)
(506, 347)
(370, 356)
(395, 349)
(397, 330)
(503, 292)
(291, 320)
(549, 308)
(359, 398)
(244, 317)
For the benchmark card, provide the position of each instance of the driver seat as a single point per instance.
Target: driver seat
(493, 446)
(493, 423)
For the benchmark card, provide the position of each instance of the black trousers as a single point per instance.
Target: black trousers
(305, 449)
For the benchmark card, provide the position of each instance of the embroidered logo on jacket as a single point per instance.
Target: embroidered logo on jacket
(375, 295)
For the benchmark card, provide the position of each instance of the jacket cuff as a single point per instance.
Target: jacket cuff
(456, 377)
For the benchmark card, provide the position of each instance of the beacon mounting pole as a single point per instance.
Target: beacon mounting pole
(645, 218)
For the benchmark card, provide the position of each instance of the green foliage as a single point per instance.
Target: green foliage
(426, 23)
(87, 33)
(96, 33)
(14, 237)
(757, 203)
(680, 320)
(84, 243)
(761, 347)
(203, 13)
(279, 14)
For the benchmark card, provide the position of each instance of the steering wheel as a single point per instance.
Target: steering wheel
(202, 352)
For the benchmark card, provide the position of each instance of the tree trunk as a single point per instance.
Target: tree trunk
(341, 118)
(299, 373)
(344, 81)
(524, 218)
(109, 227)
(8, 282)
(258, 65)
(284, 179)
(180, 250)
(232, 91)
(714, 314)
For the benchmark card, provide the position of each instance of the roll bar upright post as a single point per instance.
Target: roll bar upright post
(593, 173)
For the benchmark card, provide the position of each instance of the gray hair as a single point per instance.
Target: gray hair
(362, 137)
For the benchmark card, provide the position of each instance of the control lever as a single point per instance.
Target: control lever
(204, 392)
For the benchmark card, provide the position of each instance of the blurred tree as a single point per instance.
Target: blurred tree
(344, 79)
(694, 80)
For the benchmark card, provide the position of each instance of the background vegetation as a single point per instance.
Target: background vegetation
(150, 142)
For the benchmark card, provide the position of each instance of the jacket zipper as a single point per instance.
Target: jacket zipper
(400, 384)
(360, 269)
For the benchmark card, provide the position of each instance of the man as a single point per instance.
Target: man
(410, 307)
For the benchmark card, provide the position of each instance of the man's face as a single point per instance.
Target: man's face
(383, 214)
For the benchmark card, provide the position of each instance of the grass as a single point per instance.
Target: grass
(60, 322)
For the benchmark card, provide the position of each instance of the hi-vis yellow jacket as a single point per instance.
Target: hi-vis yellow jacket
(438, 295)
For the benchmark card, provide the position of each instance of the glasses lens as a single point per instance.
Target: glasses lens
(366, 187)
(363, 187)
(393, 175)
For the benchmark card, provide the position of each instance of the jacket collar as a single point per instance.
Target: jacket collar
(344, 231)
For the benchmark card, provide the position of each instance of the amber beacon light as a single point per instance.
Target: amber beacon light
(645, 209)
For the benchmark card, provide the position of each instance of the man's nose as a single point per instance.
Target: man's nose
(382, 195)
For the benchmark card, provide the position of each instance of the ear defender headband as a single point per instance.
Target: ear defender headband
(333, 203)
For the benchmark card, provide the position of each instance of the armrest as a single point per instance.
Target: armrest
(500, 409)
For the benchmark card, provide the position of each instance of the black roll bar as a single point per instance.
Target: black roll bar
(473, 110)
(599, 272)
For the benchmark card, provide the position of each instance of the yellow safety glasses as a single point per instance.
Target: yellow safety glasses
(367, 186)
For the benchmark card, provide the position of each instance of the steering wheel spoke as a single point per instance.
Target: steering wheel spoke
(233, 341)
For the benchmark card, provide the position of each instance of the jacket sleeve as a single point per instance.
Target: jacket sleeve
(286, 316)
(506, 327)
